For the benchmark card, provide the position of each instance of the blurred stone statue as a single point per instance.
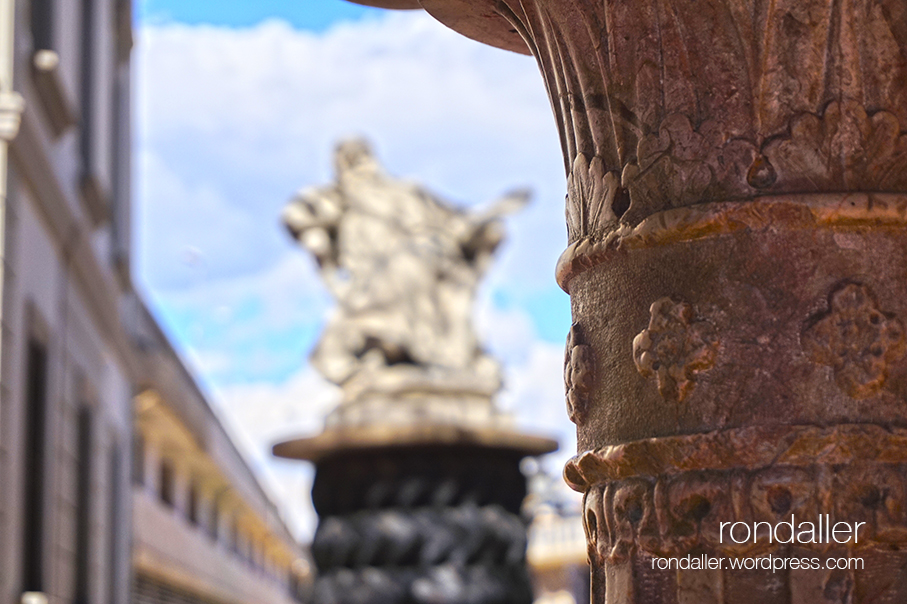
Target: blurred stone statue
(417, 484)
(403, 266)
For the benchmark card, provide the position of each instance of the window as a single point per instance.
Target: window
(234, 535)
(45, 63)
(115, 513)
(214, 520)
(42, 19)
(34, 464)
(138, 459)
(88, 80)
(84, 428)
(193, 502)
(119, 155)
(166, 484)
(88, 122)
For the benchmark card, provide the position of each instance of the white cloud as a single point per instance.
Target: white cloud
(191, 228)
(238, 119)
(249, 327)
(289, 291)
(507, 334)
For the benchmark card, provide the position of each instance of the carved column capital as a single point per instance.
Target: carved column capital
(662, 105)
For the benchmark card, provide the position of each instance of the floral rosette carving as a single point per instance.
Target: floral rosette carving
(578, 373)
(856, 339)
(674, 348)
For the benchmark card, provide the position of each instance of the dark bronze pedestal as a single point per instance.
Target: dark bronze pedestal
(425, 524)
(414, 515)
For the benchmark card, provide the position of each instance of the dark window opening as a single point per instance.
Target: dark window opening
(42, 18)
(33, 471)
(138, 459)
(193, 503)
(214, 520)
(114, 555)
(234, 536)
(167, 486)
(87, 93)
(85, 428)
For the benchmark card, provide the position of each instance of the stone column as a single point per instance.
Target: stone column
(737, 265)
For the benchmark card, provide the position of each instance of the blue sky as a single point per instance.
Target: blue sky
(239, 105)
(310, 15)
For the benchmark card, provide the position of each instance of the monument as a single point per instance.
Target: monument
(417, 486)
(736, 261)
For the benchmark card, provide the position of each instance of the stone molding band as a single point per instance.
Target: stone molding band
(703, 221)
(669, 496)
(748, 448)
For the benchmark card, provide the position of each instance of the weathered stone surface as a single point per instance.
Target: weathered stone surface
(737, 265)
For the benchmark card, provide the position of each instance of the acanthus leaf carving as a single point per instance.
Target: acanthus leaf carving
(844, 148)
(691, 110)
(680, 166)
(676, 514)
(591, 194)
(670, 498)
(697, 503)
(632, 517)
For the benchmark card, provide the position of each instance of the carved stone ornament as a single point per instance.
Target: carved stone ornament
(856, 339)
(579, 365)
(663, 105)
(420, 526)
(674, 348)
(668, 496)
(11, 106)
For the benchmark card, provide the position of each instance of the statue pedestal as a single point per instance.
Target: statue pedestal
(419, 513)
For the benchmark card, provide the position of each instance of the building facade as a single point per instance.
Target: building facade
(204, 531)
(556, 549)
(84, 368)
(68, 372)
